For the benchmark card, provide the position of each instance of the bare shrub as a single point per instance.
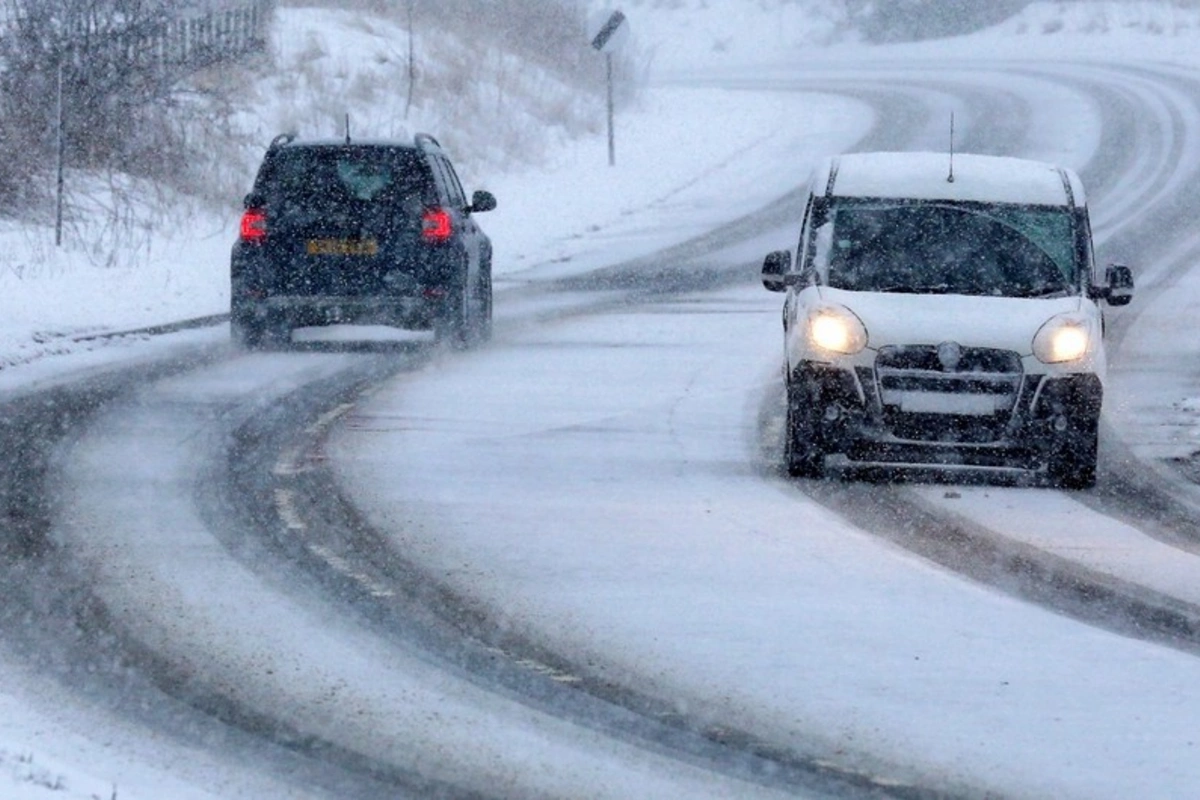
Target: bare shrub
(109, 71)
(549, 33)
(910, 20)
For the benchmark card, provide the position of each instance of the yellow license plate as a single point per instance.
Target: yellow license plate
(342, 247)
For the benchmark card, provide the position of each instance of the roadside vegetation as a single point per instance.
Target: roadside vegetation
(166, 106)
(155, 118)
(164, 103)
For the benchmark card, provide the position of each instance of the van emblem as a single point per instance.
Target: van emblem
(950, 355)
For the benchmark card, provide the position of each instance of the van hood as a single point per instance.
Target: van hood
(1006, 323)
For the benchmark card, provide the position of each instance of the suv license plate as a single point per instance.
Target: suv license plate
(342, 247)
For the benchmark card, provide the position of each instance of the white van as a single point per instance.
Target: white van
(942, 311)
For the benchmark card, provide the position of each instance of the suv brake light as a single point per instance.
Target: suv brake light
(436, 226)
(254, 225)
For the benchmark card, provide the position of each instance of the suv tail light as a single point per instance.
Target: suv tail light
(436, 226)
(254, 225)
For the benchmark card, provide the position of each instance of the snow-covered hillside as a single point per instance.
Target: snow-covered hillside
(1048, 18)
(485, 104)
(679, 35)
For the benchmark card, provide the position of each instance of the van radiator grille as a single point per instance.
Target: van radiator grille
(948, 393)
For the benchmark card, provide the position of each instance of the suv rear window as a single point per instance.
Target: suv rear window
(308, 182)
(937, 248)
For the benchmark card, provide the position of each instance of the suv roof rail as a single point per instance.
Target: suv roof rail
(282, 139)
(422, 139)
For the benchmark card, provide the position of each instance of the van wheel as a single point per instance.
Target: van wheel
(1072, 462)
(803, 455)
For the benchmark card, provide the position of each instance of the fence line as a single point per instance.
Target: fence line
(180, 42)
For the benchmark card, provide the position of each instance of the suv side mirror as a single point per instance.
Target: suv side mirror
(1118, 280)
(482, 201)
(775, 269)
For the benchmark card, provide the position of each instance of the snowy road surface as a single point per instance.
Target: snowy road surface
(599, 483)
(597, 493)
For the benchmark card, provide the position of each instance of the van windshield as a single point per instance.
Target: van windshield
(946, 248)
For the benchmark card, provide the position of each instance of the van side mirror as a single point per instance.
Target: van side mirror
(254, 200)
(1118, 289)
(775, 268)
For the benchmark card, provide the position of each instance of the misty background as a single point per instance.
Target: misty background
(141, 103)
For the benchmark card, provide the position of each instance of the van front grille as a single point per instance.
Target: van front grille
(947, 393)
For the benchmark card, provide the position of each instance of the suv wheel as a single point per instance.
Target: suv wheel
(246, 334)
(252, 332)
(1072, 462)
(453, 323)
(483, 322)
(803, 455)
(248, 329)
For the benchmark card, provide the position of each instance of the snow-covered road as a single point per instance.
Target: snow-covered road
(599, 487)
(597, 483)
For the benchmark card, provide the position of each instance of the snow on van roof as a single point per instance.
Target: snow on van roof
(923, 176)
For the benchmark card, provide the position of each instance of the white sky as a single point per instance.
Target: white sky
(633, 524)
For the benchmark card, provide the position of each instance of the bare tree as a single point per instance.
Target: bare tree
(117, 63)
(410, 8)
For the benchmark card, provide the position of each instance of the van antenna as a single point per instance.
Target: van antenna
(950, 177)
(347, 127)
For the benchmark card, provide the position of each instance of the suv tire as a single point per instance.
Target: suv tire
(246, 335)
(247, 329)
(453, 322)
(252, 332)
(483, 324)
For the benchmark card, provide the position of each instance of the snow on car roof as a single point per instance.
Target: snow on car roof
(923, 176)
(338, 143)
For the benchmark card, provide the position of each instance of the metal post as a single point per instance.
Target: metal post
(603, 41)
(62, 147)
(612, 145)
(412, 59)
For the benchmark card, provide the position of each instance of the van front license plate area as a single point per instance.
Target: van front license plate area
(944, 403)
(342, 247)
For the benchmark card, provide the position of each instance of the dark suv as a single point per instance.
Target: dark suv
(370, 233)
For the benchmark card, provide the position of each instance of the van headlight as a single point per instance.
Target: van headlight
(836, 329)
(1064, 338)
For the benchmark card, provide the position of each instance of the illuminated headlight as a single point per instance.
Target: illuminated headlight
(837, 330)
(1062, 339)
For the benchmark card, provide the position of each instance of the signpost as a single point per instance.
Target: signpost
(61, 148)
(611, 36)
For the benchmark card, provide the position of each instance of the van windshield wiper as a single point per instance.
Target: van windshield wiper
(1048, 291)
(907, 288)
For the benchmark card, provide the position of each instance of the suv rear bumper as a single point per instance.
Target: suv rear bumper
(418, 313)
(270, 291)
(856, 419)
